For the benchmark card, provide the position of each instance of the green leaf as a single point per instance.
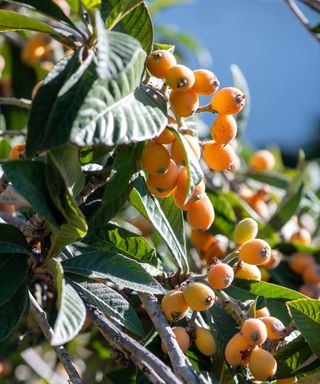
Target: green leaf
(122, 9)
(12, 311)
(112, 304)
(306, 314)
(4, 149)
(114, 267)
(45, 98)
(136, 23)
(292, 356)
(240, 82)
(71, 316)
(195, 173)
(89, 4)
(13, 273)
(150, 208)
(66, 159)
(128, 243)
(315, 29)
(12, 240)
(275, 179)
(28, 179)
(103, 58)
(13, 21)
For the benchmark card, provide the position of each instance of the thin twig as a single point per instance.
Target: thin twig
(21, 103)
(302, 18)
(41, 319)
(180, 363)
(13, 133)
(155, 370)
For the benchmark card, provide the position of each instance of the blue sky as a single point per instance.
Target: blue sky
(279, 58)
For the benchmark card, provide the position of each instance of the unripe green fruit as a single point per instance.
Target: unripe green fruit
(245, 230)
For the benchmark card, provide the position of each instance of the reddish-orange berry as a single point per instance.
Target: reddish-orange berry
(155, 158)
(159, 62)
(254, 331)
(302, 236)
(220, 276)
(274, 260)
(311, 274)
(183, 104)
(165, 182)
(228, 101)
(166, 137)
(300, 261)
(262, 364)
(200, 239)
(262, 312)
(262, 160)
(200, 214)
(182, 338)
(275, 327)
(177, 150)
(256, 251)
(206, 82)
(217, 156)
(199, 296)
(215, 249)
(174, 306)
(248, 271)
(16, 151)
(237, 351)
(224, 129)
(38, 47)
(180, 78)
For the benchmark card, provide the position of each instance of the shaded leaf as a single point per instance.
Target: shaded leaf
(275, 179)
(13, 21)
(12, 240)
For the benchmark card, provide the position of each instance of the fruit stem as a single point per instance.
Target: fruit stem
(231, 256)
(206, 108)
(231, 307)
(192, 320)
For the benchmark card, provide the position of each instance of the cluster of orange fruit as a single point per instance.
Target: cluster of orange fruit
(248, 347)
(164, 158)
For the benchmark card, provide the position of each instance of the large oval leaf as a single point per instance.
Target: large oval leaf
(114, 267)
(13, 21)
(111, 303)
(12, 240)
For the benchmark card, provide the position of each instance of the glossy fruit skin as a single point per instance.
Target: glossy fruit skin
(262, 364)
(166, 137)
(182, 338)
(302, 236)
(199, 296)
(220, 276)
(165, 182)
(183, 104)
(245, 230)
(254, 331)
(311, 275)
(200, 239)
(206, 82)
(217, 156)
(174, 306)
(159, 62)
(256, 251)
(248, 271)
(263, 312)
(224, 129)
(262, 161)
(274, 260)
(36, 49)
(16, 151)
(236, 351)
(300, 261)
(180, 78)
(205, 342)
(155, 158)
(215, 249)
(177, 149)
(200, 214)
(275, 327)
(228, 101)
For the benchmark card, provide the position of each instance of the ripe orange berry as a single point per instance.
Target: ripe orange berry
(215, 249)
(206, 82)
(155, 158)
(180, 78)
(166, 137)
(183, 104)
(200, 239)
(38, 47)
(248, 271)
(256, 251)
(159, 62)
(262, 312)
(217, 156)
(165, 182)
(311, 274)
(224, 129)
(16, 151)
(261, 208)
(220, 276)
(275, 327)
(177, 150)
(262, 364)
(274, 260)
(199, 296)
(262, 160)
(182, 338)
(236, 352)
(174, 306)
(228, 101)
(205, 342)
(158, 194)
(300, 261)
(254, 331)
(302, 236)
(200, 214)
(245, 230)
